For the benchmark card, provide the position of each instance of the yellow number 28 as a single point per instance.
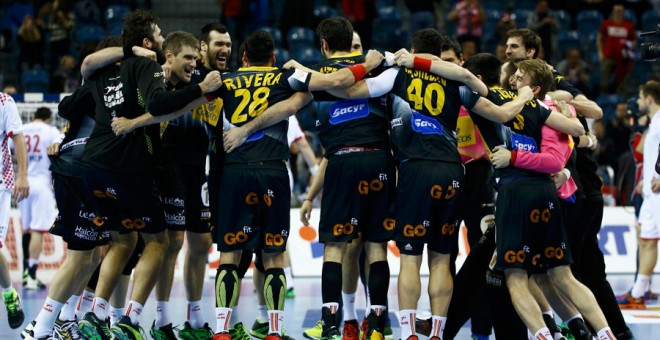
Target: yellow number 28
(255, 102)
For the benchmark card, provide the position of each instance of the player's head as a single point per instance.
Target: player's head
(507, 80)
(536, 74)
(215, 46)
(522, 42)
(649, 95)
(450, 50)
(486, 66)
(141, 29)
(336, 35)
(356, 45)
(43, 113)
(181, 52)
(427, 40)
(259, 49)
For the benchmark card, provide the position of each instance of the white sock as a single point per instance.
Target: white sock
(195, 314)
(606, 333)
(333, 306)
(407, 322)
(69, 310)
(641, 285)
(275, 321)
(576, 316)
(133, 311)
(33, 262)
(84, 304)
(543, 333)
(289, 277)
(100, 308)
(46, 318)
(162, 313)
(115, 314)
(349, 306)
(222, 317)
(263, 313)
(438, 323)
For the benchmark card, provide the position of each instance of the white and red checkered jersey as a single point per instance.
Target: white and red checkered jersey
(10, 125)
(38, 136)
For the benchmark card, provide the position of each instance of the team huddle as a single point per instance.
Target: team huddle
(414, 143)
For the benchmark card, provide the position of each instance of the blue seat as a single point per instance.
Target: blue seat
(567, 40)
(521, 17)
(114, 15)
(563, 20)
(308, 56)
(89, 33)
(608, 102)
(114, 29)
(35, 80)
(86, 12)
(276, 33)
(526, 4)
(281, 56)
(494, 4)
(630, 15)
(650, 20)
(324, 12)
(493, 15)
(300, 37)
(588, 21)
(389, 13)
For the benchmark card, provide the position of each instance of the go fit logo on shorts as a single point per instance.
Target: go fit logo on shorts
(436, 191)
(252, 198)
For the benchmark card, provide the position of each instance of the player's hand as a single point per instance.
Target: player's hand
(526, 93)
(559, 178)
(373, 59)
(292, 64)
(53, 149)
(593, 137)
(655, 186)
(234, 138)
(212, 82)
(306, 212)
(21, 188)
(403, 58)
(638, 188)
(501, 157)
(563, 108)
(122, 125)
(144, 52)
(167, 72)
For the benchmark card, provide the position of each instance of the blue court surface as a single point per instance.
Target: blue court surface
(304, 310)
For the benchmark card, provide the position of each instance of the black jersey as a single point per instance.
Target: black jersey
(425, 110)
(130, 89)
(78, 109)
(251, 91)
(349, 122)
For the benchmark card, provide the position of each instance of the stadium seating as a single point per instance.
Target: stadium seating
(86, 12)
(521, 17)
(608, 102)
(563, 20)
(567, 40)
(276, 33)
(89, 33)
(323, 12)
(281, 56)
(114, 15)
(388, 21)
(35, 80)
(300, 37)
(650, 21)
(307, 56)
(588, 21)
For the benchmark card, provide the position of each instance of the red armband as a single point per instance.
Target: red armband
(514, 155)
(209, 97)
(359, 71)
(422, 64)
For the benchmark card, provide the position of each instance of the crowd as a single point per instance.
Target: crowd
(443, 122)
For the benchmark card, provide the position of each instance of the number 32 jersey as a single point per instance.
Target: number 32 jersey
(251, 91)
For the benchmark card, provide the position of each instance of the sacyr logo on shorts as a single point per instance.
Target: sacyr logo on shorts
(425, 125)
(389, 224)
(345, 229)
(233, 238)
(109, 193)
(537, 215)
(523, 143)
(436, 191)
(347, 110)
(131, 224)
(414, 231)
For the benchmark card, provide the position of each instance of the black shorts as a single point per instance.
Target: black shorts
(253, 208)
(76, 223)
(182, 192)
(426, 206)
(130, 201)
(358, 194)
(530, 233)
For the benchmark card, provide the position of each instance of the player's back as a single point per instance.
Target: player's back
(38, 136)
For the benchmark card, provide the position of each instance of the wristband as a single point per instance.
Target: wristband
(313, 170)
(209, 97)
(422, 64)
(514, 155)
(307, 199)
(591, 142)
(359, 71)
(566, 172)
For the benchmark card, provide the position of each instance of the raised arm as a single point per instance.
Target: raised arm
(507, 111)
(587, 107)
(107, 56)
(122, 125)
(560, 121)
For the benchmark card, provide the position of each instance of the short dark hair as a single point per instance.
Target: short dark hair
(210, 27)
(448, 43)
(427, 40)
(138, 24)
(43, 113)
(528, 37)
(652, 88)
(259, 48)
(337, 32)
(485, 65)
(176, 40)
(109, 41)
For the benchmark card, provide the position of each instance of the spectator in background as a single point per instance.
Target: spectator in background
(543, 22)
(604, 154)
(10, 89)
(361, 14)
(616, 42)
(504, 25)
(619, 130)
(65, 78)
(58, 18)
(31, 43)
(469, 16)
(421, 14)
(576, 71)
